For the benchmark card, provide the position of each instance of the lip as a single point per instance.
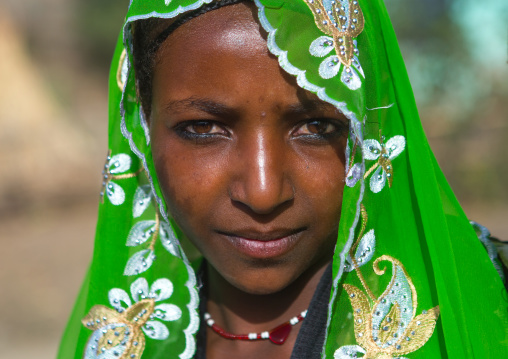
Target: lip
(263, 244)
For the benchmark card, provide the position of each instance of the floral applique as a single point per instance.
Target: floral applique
(120, 332)
(386, 326)
(115, 169)
(384, 154)
(147, 231)
(341, 20)
(354, 170)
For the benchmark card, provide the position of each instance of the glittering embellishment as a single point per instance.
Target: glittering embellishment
(386, 326)
(384, 154)
(364, 247)
(142, 200)
(143, 231)
(341, 20)
(140, 233)
(353, 175)
(354, 172)
(114, 169)
(348, 352)
(364, 251)
(139, 262)
(119, 332)
(329, 67)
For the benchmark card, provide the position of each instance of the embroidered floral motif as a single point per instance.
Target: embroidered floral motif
(384, 154)
(354, 172)
(118, 333)
(142, 231)
(142, 199)
(341, 20)
(385, 327)
(114, 170)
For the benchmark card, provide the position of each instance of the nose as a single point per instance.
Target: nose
(261, 181)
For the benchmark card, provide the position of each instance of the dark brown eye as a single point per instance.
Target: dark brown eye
(319, 127)
(201, 127)
(316, 128)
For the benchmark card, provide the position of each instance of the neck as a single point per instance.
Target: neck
(240, 312)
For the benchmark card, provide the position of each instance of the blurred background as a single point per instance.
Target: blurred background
(54, 59)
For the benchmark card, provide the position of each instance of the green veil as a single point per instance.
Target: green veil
(410, 277)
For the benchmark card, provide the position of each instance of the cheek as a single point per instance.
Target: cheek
(323, 181)
(190, 182)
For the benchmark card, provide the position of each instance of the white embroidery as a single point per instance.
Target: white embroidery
(322, 46)
(142, 198)
(364, 251)
(115, 165)
(348, 352)
(139, 262)
(118, 333)
(140, 233)
(384, 154)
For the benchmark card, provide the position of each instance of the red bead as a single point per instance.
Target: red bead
(280, 334)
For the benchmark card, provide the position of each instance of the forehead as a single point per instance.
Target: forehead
(222, 55)
(234, 27)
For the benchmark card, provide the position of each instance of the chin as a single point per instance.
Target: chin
(264, 279)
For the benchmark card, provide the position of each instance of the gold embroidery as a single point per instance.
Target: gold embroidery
(108, 176)
(386, 326)
(342, 21)
(120, 329)
(383, 153)
(121, 333)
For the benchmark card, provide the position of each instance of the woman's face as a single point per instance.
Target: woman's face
(250, 165)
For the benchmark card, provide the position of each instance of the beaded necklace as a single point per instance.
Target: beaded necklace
(277, 335)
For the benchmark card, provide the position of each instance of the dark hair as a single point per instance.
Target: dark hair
(149, 35)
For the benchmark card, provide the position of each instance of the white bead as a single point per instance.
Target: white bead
(265, 335)
(304, 313)
(293, 320)
(210, 322)
(207, 316)
(252, 336)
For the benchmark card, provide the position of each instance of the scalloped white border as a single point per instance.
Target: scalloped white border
(190, 343)
(302, 81)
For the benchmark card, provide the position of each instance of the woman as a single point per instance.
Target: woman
(281, 139)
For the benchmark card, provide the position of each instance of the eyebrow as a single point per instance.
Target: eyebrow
(201, 104)
(310, 105)
(219, 109)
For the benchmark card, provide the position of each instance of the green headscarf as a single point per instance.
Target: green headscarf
(410, 277)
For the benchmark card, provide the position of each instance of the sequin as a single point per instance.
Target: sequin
(140, 233)
(335, 21)
(139, 262)
(384, 154)
(142, 200)
(362, 255)
(120, 333)
(383, 336)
